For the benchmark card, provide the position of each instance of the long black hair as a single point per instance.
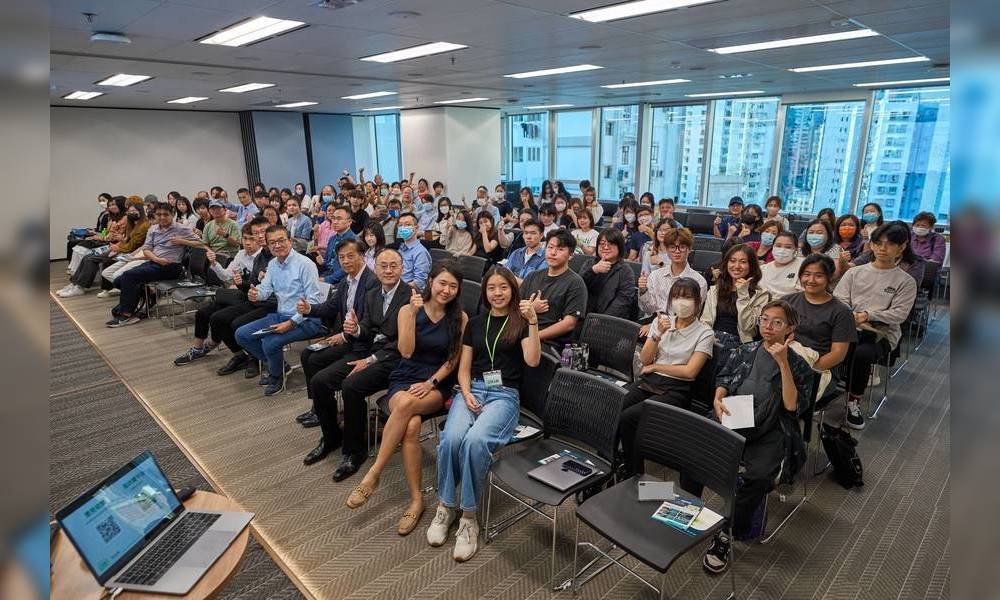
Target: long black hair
(453, 310)
(517, 323)
(726, 296)
(374, 228)
(897, 232)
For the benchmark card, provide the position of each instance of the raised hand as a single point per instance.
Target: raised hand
(717, 221)
(601, 266)
(541, 305)
(351, 322)
(302, 307)
(643, 283)
(527, 309)
(732, 230)
(663, 323)
(252, 293)
(742, 283)
(416, 300)
(779, 350)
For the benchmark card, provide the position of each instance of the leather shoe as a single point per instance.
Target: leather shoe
(349, 466)
(313, 421)
(309, 414)
(274, 386)
(236, 363)
(253, 368)
(319, 452)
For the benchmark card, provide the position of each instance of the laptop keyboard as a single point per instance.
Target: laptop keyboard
(168, 549)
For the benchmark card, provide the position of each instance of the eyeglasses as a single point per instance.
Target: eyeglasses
(766, 321)
(676, 248)
(388, 266)
(278, 242)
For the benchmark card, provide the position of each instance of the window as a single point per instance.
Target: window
(573, 146)
(620, 129)
(742, 129)
(528, 137)
(908, 144)
(386, 136)
(678, 139)
(819, 156)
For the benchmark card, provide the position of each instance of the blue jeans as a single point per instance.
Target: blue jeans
(268, 348)
(469, 441)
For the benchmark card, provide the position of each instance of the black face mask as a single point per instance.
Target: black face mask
(132, 217)
(749, 219)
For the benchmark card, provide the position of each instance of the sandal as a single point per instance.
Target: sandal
(408, 522)
(358, 497)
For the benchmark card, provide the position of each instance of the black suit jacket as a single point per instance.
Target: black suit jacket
(384, 326)
(335, 309)
(612, 293)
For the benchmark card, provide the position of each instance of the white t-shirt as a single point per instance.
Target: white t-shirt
(781, 280)
(585, 238)
(677, 345)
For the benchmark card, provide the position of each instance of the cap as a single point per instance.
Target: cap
(151, 198)
(216, 204)
(736, 200)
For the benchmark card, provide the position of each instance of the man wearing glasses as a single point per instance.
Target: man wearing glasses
(654, 288)
(329, 264)
(290, 277)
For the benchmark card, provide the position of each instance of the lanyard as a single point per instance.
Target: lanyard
(492, 351)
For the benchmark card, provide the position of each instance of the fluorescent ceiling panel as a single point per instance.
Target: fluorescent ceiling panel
(374, 108)
(557, 71)
(124, 80)
(78, 95)
(903, 82)
(414, 52)
(251, 31)
(295, 104)
(626, 10)
(187, 100)
(859, 65)
(618, 86)
(368, 95)
(799, 41)
(722, 94)
(545, 106)
(461, 100)
(246, 87)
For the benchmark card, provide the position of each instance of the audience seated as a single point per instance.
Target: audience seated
(96, 247)
(585, 234)
(457, 234)
(727, 226)
(925, 242)
(871, 214)
(611, 288)
(299, 225)
(329, 267)
(548, 215)
(290, 276)
(881, 295)
(359, 217)
(772, 212)
(221, 234)
(496, 347)
(733, 305)
(416, 258)
(781, 275)
(847, 235)
(642, 235)
(768, 233)
(374, 239)
(531, 255)
(430, 343)
(490, 241)
(654, 253)
(122, 256)
(558, 294)
(819, 240)
(746, 231)
(245, 209)
(654, 288)
(665, 213)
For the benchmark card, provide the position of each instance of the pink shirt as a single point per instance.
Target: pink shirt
(325, 231)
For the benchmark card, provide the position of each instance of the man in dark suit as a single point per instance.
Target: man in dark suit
(366, 368)
(346, 304)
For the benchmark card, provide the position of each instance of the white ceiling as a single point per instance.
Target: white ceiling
(320, 62)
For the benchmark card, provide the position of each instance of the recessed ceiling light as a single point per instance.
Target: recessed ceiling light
(735, 76)
(903, 82)
(544, 106)
(797, 41)
(858, 65)
(460, 100)
(625, 10)
(295, 104)
(414, 52)
(368, 95)
(557, 71)
(616, 86)
(187, 100)
(82, 95)
(374, 108)
(721, 94)
(246, 87)
(251, 31)
(123, 80)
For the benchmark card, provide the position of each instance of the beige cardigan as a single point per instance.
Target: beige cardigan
(748, 309)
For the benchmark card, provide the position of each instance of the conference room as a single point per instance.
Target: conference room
(499, 298)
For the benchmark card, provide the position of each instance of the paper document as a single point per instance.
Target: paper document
(740, 412)
(524, 431)
(705, 519)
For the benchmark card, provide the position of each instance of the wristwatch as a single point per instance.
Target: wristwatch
(433, 381)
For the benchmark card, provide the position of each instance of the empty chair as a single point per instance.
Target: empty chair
(699, 222)
(612, 343)
(704, 451)
(471, 298)
(702, 260)
(472, 268)
(581, 262)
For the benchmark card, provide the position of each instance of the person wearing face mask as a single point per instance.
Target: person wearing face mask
(416, 258)
(560, 204)
(927, 243)
(327, 195)
(846, 234)
(394, 209)
(871, 216)
(747, 231)
(330, 270)
(772, 211)
(127, 254)
(733, 305)
(654, 287)
(819, 240)
(85, 263)
(768, 233)
(428, 215)
(673, 354)
(732, 222)
(780, 276)
(626, 204)
(456, 236)
(610, 282)
(643, 233)
(442, 213)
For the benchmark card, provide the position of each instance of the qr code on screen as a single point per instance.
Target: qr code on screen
(108, 528)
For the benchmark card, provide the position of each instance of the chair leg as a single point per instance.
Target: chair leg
(885, 390)
(552, 566)
(788, 517)
(486, 517)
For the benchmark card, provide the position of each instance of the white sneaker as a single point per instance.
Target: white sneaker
(437, 532)
(466, 539)
(64, 289)
(71, 290)
(114, 292)
(104, 294)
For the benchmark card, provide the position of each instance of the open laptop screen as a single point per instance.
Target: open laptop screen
(112, 522)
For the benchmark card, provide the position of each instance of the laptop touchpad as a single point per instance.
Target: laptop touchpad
(206, 549)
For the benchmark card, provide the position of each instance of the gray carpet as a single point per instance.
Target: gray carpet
(96, 425)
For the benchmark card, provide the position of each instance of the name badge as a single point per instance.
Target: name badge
(492, 379)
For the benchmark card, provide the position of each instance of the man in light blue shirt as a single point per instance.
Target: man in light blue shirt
(330, 269)
(531, 256)
(428, 212)
(290, 277)
(245, 210)
(416, 258)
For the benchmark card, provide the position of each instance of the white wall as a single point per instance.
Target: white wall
(139, 152)
(459, 146)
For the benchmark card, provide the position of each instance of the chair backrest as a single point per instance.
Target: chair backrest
(535, 385)
(703, 450)
(635, 266)
(472, 268)
(471, 297)
(439, 255)
(198, 263)
(681, 217)
(797, 226)
(579, 262)
(929, 281)
(699, 222)
(703, 386)
(707, 242)
(584, 408)
(701, 260)
(611, 342)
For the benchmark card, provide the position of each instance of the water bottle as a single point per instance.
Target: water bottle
(566, 358)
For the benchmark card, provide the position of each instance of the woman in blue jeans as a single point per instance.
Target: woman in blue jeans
(496, 346)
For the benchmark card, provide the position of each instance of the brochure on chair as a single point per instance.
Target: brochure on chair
(679, 513)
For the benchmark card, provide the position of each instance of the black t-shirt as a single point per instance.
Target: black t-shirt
(493, 256)
(726, 320)
(822, 324)
(567, 295)
(359, 220)
(508, 357)
(200, 225)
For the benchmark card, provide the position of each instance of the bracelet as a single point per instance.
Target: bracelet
(535, 323)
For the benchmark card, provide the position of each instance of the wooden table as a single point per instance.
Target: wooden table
(71, 579)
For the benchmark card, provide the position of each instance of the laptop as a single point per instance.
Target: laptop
(133, 533)
(562, 473)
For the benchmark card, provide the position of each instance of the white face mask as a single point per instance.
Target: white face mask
(921, 231)
(783, 256)
(560, 206)
(682, 307)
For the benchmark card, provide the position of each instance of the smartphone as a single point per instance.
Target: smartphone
(318, 346)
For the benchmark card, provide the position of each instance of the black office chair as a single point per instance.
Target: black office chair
(612, 342)
(681, 217)
(581, 415)
(471, 297)
(439, 255)
(797, 226)
(580, 262)
(678, 439)
(472, 267)
(703, 260)
(163, 287)
(699, 222)
(635, 266)
(195, 289)
(706, 242)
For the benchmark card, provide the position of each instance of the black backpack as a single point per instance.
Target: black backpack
(840, 449)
